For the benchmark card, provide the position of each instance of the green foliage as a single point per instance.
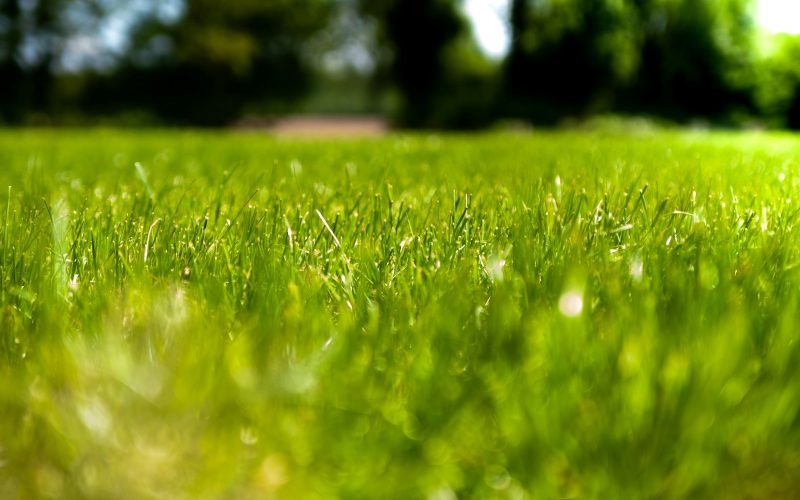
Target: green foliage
(431, 63)
(676, 58)
(413, 59)
(778, 87)
(215, 63)
(569, 55)
(33, 36)
(696, 58)
(557, 315)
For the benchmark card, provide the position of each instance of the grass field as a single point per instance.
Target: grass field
(548, 315)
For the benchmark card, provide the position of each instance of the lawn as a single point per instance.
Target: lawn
(507, 315)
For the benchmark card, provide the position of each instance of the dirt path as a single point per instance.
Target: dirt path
(322, 126)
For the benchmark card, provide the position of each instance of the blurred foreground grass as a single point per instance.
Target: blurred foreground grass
(557, 315)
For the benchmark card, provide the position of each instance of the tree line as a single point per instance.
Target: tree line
(201, 62)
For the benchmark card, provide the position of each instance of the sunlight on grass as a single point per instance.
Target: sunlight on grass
(554, 315)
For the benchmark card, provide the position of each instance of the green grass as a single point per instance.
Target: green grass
(556, 315)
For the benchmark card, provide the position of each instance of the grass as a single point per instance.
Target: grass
(555, 315)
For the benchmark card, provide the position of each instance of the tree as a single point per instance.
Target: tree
(696, 57)
(217, 61)
(10, 69)
(31, 41)
(34, 40)
(419, 37)
(778, 85)
(568, 56)
(793, 114)
(673, 57)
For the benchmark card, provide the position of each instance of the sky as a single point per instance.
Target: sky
(489, 22)
(488, 18)
(779, 16)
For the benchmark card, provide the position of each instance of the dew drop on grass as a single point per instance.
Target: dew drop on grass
(497, 478)
(95, 417)
(571, 303)
(296, 167)
(442, 493)
(558, 187)
(495, 268)
(636, 269)
(273, 472)
(248, 436)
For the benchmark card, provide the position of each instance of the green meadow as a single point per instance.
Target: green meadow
(504, 315)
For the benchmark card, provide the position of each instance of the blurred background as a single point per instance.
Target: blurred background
(451, 64)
